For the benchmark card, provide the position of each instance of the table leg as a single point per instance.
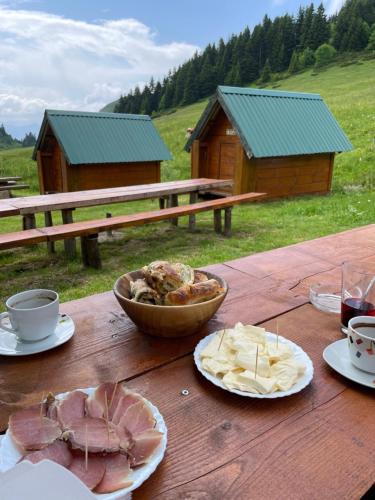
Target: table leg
(109, 232)
(193, 199)
(69, 244)
(228, 221)
(90, 251)
(48, 223)
(217, 220)
(28, 221)
(173, 202)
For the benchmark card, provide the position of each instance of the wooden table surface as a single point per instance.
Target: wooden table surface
(77, 199)
(318, 443)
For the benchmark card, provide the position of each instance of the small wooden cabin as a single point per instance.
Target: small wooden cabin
(282, 143)
(79, 150)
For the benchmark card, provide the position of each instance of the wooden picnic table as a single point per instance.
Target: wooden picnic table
(28, 206)
(318, 443)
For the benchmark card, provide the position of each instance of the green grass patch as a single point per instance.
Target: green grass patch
(349, 93)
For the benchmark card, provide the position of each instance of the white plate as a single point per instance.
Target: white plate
(11, 345)
(337, 356)
(299, 355)
(9, 454)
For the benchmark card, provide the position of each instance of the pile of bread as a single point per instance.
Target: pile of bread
(244, 359)
(169, 284)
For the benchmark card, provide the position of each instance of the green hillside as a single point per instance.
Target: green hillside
(348, 91)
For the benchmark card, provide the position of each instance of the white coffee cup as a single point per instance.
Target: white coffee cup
(33, 314)
(361, 342)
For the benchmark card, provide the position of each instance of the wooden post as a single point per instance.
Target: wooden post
(173, 202)
(228, 221)
(193, 199)
(28, 221)
(48, 222)
(70, 243)
(195, 170)
(90, 251)
(109, 232)
(161, 203)
(217, 220)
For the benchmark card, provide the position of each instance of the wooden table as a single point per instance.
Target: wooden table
(30, 205)
(318, 443)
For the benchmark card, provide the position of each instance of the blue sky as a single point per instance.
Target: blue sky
(81, 54)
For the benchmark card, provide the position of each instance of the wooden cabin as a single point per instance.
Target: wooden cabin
(281, 143)
(79, 150)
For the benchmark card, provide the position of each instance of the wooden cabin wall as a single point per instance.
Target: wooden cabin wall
(107, 175)
(50, 169)
(215, 155)
(289, 175)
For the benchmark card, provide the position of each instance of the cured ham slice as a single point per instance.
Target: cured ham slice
(58, 452)
(71, 408)
(123, 404)
(94, 473)
(117, 471)
(99, 436)
(144, 446)
(137, 418)
(32, 431)
(95, 404)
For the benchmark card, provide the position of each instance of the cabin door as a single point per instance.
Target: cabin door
(227, 159)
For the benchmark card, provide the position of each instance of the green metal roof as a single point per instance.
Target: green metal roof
(276, 123)
(104, 137)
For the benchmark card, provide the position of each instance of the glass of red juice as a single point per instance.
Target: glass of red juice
(358, 291)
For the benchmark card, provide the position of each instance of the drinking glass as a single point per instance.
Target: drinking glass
(358, 291)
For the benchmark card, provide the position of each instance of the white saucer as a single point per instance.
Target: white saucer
(11, 345)
(337, 356)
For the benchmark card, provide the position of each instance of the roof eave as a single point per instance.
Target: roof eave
(235, 125)
(202, 122)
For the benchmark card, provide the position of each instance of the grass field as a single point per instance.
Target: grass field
(348, 91)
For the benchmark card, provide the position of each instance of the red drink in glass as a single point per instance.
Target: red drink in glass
(355, 307)
(358, 291)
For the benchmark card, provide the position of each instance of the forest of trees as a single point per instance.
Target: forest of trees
(286, 43)
(8, 142)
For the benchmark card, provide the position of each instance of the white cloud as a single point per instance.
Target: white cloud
(49, 61)
(333, 6)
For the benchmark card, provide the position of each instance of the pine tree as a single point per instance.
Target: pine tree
(146, 105)
(371, 40)
(294, 64)
(266, 73)
(299, 28)
(307, 35)
(319, 28)
(190, 88)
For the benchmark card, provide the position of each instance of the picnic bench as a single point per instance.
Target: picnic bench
(88, 230)
(7, 184)
(318, 443)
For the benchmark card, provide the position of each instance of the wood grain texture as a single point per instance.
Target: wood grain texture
(261, 438)
(21, 238)
(105, 337)
(316, 444)
(86, 198)
(323, 454)
(141, 218)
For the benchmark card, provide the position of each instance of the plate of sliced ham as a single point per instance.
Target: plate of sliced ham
(111, 438)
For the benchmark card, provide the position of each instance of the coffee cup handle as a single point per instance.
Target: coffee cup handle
(2, 326)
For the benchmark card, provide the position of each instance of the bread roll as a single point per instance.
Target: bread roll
(193, 294)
